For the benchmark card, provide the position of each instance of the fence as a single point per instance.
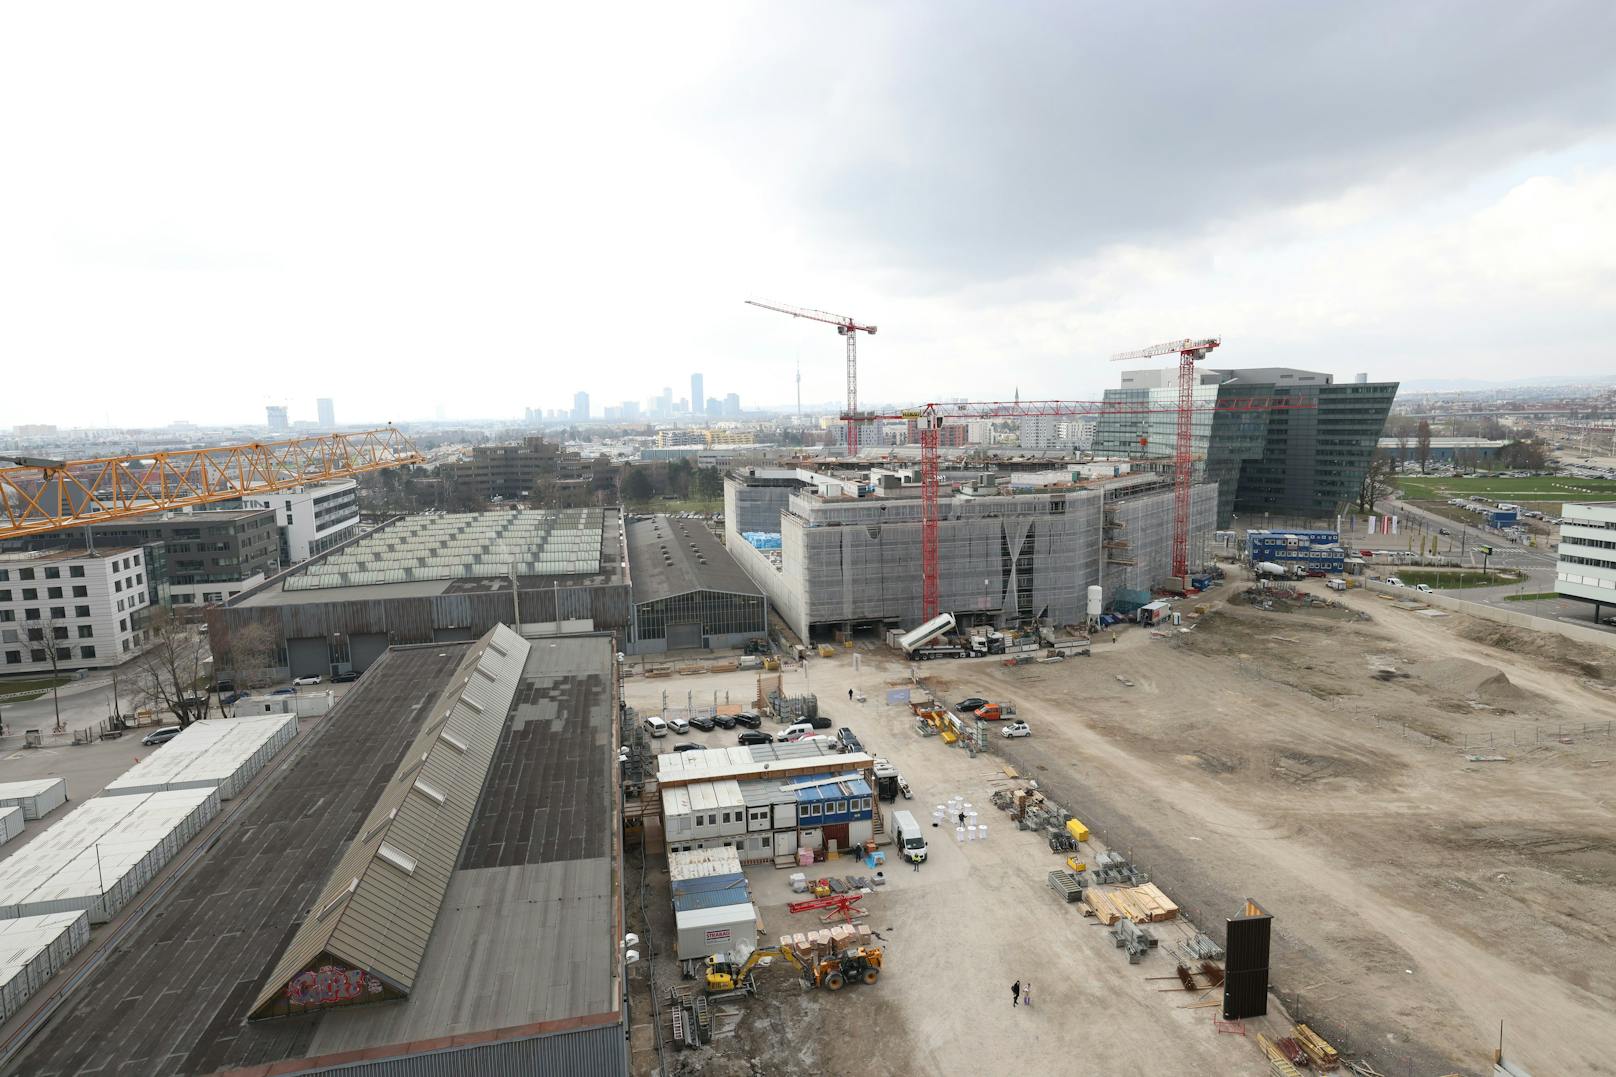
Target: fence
(1504, 617)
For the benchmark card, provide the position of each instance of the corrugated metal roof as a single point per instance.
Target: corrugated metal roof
(668, 556)
(374, 913)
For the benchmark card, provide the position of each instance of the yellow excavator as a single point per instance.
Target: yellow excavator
(861, 964)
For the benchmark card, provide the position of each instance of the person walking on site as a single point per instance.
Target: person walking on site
(1026, 993)
(850, 695)
(1015, 993)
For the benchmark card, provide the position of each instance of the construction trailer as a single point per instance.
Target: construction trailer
(37, 797)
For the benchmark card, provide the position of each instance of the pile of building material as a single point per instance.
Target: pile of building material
(1100, 906)
(10, 824)
(813, 947)
(32, 950)
(36, 798)
(1277, 1061)
(223, 752)
(1129, 936)
(1204, 948)
(1320, 1053)
(1145, 904)
(1067, 884)
(103, 853)
(1112, 867)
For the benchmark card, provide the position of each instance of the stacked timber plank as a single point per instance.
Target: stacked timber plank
(1320, 1053)
(1144, 904)
(1276, 1058)
(1101, 906)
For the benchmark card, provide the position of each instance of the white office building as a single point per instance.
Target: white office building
(90, 608)
(1587, 555)
(311, 518)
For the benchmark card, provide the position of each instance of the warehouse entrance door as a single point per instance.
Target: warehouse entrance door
(684, 637)
(309, 657)
(365, 648)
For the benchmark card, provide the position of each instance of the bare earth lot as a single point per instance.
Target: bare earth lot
(1419, 898)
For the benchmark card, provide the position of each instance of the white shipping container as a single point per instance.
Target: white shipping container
(704, 932)
(10, 824)
(35, 798)
(100, 856)
(222, 752)
(32, 950)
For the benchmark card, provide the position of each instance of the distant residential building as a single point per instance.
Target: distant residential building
(1586, 565)
(715, 408)
(89, 608)
(732, 406)
(697, 395)
(328, 413)
(277, 418)
(949, 435)
(670, 439)
(311, 519)
(713, 438)
(580, 407)
(34, 430)
(536, 469)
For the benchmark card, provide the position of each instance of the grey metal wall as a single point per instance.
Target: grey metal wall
(591, 1052)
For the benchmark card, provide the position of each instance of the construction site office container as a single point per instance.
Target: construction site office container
(222, 752)
(704, 932)
(10, 823)
(32, 950)
(703, 863)
(103, 853)
(710, 899)
(36, 798)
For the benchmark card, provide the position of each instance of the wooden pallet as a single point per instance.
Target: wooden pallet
(1320, 1053)
(1100, 904)
(1276, 1058)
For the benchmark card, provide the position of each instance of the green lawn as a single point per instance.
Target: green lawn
(35, 686)
(1550, 488)
(1540, 596)
(1444, 579)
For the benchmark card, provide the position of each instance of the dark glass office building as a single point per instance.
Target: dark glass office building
(1307, 461)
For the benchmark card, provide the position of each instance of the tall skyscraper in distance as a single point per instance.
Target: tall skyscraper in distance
(696, 394)
(580, 407)
(732, 406)
(715, 408)
(277, 417)
(328, 413)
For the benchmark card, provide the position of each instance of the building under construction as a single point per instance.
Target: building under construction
(842, 552)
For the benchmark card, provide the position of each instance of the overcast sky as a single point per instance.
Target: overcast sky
(208, 208)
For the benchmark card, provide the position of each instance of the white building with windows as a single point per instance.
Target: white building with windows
(311, 518)
(90, 608)
(1587, 556)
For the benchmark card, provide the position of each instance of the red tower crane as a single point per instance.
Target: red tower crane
(850, 329)
(929, 418)
(1189, 352)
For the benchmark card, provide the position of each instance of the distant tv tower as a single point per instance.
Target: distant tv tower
(799, 388)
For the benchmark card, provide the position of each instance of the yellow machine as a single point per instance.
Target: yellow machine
(1074, 864)
(861, 965)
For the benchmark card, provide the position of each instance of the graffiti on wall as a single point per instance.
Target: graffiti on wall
(330, 985)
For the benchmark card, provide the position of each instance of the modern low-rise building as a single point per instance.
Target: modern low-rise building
(90, 609)
(312, 518)
(196, 557)
(688, 592)
(1465, 452)
(1586, 564)
(1307, 460)
(535, 469)
(847, 556)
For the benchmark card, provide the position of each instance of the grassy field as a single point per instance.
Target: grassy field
(35, 686)
(1444, 579)
(1550, 488)
(1539, 596)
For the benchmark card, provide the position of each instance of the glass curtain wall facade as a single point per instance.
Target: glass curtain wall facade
(718, 612)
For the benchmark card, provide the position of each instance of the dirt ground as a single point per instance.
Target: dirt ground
(1310, 760)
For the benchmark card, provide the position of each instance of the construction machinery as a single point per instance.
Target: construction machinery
(1189, 352)
(48, 495)
(848, 328)
(860, 964)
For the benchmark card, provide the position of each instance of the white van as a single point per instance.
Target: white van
(794, 729)
(656, 726)
(1336, 585)
(911, 839)
(1393, 581)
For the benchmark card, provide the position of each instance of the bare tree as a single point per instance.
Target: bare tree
(50, 636)
(1376, 480)
(171, 668)
(1422, 443)
(250, 651)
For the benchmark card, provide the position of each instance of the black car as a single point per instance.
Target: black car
(754, 736)
(690, 746)
(225, 686)
(749, 720)
(724, 721)
(232, 697)
(344, 677)
(969, 706)
(848, 742)
(818, 721)
(702, 722)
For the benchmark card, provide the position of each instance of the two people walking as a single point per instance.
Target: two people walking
(1021, 993)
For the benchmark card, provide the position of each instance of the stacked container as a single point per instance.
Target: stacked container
(32, 950)
(100, 856)
(35, 798)
(222, 752)
(10, 824)
(712, 904)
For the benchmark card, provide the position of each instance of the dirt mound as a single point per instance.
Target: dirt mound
(1580, 658)
(1471, 680)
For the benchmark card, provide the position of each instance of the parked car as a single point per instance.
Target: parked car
(345, 676)
(848, 740)
(1016, 729)
(702, 722)
(754, 736)
(225, 686)
(989, 712)
(655, 726)
(233, 697)
(1608, 621)
(313, 678)
(724, 721)
(1426, 588)
(1443, 531)
(690, 746)
(284, 692)
(749, 720)
(679, 726)
(160, 736)
(969, 705)
(1393, 581)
